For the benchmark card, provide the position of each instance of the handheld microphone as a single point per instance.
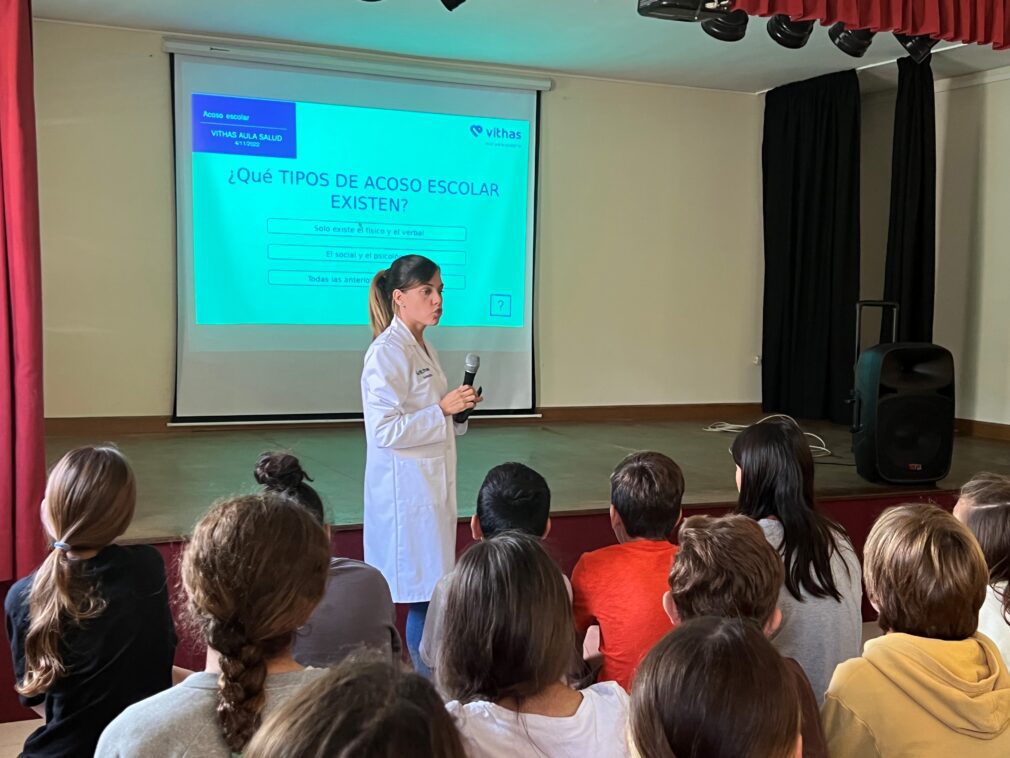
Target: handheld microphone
(470, 366)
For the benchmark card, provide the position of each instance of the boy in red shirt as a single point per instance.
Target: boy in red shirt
(621, 587)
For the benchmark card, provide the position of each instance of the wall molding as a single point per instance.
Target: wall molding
(986, 430)
(101, 427)
(646, 413)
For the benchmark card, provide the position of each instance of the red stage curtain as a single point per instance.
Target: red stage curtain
(986, 22)
(22, 453)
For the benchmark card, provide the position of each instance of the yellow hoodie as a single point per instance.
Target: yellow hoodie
(918, 697)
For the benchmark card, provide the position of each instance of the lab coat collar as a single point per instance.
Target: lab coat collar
(401, 332)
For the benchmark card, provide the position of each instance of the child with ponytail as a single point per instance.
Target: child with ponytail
(90, 630)
(253, 572)
(356, 610)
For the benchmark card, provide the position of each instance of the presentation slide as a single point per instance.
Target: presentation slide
(296, 205)
(295, 185)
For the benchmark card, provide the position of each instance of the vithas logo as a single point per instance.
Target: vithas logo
(495, 132)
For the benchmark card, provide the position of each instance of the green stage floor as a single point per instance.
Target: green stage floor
(179, 474)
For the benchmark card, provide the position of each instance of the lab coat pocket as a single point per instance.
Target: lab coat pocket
(421, 483)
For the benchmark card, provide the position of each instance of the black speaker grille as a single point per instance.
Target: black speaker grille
(914, 437)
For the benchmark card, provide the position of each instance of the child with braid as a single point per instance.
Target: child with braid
(253, 572)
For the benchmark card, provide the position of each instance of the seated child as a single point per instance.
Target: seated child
(619, 587)
(90, 629)
(509, 647)
(357, 609)
(513, 497)
(725, 567)
(362, 707)
(253, 572)
(931, 685)
(984, 507)
(716, 688)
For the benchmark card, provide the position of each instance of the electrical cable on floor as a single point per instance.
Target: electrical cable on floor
(819, 450)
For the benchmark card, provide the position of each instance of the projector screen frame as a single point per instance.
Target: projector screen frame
(463, 76)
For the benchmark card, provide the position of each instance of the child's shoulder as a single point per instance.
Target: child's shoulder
(16, 601)
(605, 556)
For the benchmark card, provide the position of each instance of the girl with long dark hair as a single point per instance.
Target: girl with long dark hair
(822, 595)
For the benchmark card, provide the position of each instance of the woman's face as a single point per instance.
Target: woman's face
(422, 303)
(739, 478)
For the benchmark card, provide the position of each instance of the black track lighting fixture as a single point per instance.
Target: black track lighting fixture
(727, 28)
(789, 33)
(917, 47)
(852, 42)
(717, 17)
(451, 5)
(684, 10)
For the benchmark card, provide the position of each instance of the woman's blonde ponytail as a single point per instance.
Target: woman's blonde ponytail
(380, 304)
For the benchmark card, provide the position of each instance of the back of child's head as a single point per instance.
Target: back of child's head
(646, 490)
(508, 629)
(283, 473)
(715, 688)
(984, 507)
(777, 482)
(925, 573)
(725, 567)
(90, 498)
(362, 709)
(253, 571)
(513, 497)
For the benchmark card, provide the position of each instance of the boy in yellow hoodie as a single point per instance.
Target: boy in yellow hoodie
(930, 686)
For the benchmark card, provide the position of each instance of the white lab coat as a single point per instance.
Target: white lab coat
(410, 469)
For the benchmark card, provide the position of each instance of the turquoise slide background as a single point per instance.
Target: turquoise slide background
(279, 252)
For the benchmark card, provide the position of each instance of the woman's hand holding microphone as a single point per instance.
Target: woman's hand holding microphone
(463, 398)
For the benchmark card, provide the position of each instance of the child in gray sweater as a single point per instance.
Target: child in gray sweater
(253, 572)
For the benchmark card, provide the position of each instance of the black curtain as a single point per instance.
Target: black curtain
(909, 274)
(810, 160)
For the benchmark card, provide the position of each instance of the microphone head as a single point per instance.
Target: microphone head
(472, 363)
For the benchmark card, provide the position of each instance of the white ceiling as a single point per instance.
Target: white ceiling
(604, 38)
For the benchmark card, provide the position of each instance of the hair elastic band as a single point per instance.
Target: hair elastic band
(61, 545)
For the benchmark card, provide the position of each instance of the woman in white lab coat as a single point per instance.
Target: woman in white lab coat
(410, 470)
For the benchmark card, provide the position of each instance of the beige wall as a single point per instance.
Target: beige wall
(973, 232)
(649, 264)
(650, 258)
(103, 101)
(973, 229)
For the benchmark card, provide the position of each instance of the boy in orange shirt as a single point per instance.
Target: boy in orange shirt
(620, 587)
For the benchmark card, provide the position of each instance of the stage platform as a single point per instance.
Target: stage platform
(180, 473)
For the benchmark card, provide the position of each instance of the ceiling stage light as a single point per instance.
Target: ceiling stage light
(730, 27)
(789, 33)
(917, 47)
(852, 42)
(684, 10)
